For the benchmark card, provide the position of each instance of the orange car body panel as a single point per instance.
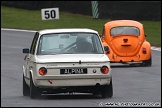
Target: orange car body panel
(126, 47)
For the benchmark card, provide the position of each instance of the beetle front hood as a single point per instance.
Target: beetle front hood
(72, 58)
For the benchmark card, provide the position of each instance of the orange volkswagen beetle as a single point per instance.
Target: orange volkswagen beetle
(125, 41)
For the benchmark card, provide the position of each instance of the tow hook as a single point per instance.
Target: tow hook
(50, 81)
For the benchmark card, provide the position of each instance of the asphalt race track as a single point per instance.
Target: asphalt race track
(132, 85)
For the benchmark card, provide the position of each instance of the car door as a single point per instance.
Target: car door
(30, 56)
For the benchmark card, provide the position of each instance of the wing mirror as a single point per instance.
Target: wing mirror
(107, 50)
(26, 50)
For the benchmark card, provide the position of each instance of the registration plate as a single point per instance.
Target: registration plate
(73, 71)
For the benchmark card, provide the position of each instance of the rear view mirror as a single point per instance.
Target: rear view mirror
(64, 36)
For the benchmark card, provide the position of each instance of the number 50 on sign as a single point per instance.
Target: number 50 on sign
(50, 13)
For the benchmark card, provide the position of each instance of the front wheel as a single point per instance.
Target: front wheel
(107, 90)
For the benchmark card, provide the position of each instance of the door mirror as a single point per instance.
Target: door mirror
(106, 48)
(26, 50)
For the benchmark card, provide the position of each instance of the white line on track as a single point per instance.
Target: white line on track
(153, 47)
(17, 30)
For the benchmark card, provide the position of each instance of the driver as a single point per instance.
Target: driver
(82, 45)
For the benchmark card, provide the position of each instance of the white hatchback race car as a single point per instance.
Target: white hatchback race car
(66, 61)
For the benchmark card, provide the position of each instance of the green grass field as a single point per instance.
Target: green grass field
(31, 20)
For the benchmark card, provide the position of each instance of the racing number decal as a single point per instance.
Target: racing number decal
(50, 13)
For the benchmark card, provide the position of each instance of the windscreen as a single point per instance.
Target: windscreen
(69, 43)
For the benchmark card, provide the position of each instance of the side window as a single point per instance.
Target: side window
(34, 42)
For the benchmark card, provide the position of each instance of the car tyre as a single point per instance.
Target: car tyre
(147, 63)
(34, 91)
(107, 90)
(26, 89)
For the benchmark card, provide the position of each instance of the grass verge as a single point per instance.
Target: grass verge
(31, 20)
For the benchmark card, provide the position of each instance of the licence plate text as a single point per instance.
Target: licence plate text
(73, 71)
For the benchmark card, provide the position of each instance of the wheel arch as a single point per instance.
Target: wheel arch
(32, 76)
(146, 56)
(23, 70)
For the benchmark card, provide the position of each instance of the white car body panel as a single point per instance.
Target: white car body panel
(47, 31)
(55, 62)
(72, 58)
